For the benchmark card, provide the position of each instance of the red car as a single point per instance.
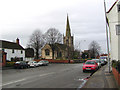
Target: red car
(90, 65)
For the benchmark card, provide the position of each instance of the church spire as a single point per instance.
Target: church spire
(68, 33)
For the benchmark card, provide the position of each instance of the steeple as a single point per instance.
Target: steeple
(68, 33)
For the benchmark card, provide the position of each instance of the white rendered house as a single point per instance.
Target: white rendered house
(13, 50)
(113, 16)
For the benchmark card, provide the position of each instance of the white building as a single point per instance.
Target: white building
(113, 16)
(13, 49)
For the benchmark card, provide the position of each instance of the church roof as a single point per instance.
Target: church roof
(10, 45)
(58, 46)
(68, 31)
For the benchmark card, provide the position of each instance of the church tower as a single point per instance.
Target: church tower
(68, 39)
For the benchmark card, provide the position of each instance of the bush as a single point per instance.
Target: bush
(116, 65)
(9, 64)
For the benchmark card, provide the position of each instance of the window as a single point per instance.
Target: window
(21, 51)
(12, 50)
(117, 29)
(3, 50)
(118, 7)
(47, 52)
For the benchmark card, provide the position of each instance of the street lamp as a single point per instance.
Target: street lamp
(107, 37)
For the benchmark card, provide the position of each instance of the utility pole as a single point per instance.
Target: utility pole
(107, 37)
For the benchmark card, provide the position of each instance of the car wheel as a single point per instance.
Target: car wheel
(83, 70)
(21, 67)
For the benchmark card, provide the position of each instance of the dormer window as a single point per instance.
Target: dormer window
(118, 7)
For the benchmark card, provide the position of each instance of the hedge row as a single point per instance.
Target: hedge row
(116, 65)
(9, 64)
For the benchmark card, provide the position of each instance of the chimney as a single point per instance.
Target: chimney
(17, 41)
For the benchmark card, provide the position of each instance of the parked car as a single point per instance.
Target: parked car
(90, 65)
(103, 59)
(98, 62)
(43, 62)
(21, 64)
(33, 63)
(103, 62)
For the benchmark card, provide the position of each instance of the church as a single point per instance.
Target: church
(60, 51)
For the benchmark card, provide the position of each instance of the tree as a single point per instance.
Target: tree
(94, 48)
(76, 54)
(36, 42)
(53, 36)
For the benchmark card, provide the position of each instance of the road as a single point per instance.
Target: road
(51, 76)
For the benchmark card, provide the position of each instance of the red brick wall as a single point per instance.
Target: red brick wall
(56, 61)
(116, 75)
(4, 59)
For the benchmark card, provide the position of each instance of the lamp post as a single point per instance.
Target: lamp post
(80, 44)
(107, 37)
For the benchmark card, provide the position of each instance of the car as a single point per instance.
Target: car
(43, 62)
(103, 62)
(90, 65)
(33, 64)
(21, 64)
(98, 62)
(103, 59)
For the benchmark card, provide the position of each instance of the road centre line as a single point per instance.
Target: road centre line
(13, 82)
(25, 79)
(47, 74)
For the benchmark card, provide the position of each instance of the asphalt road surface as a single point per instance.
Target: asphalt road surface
(51, 76)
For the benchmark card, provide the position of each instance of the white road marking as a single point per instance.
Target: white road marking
(84, 81)
(47, 74)
(13, 82)
(25, 79)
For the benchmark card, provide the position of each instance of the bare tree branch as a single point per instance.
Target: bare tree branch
(36, 42)
(95, 49)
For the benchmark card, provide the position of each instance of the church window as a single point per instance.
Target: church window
(60, 54)
(47, 52)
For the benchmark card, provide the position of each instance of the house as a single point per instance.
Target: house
(12, 51)
(60, 51)
(29, 54)
(113, 16)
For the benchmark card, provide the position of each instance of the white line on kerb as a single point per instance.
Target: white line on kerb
(13, 82)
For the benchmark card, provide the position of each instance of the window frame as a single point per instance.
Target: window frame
(118, 29)
(47, 52)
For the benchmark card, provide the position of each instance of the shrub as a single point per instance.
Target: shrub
(9, 64)
(116, 65)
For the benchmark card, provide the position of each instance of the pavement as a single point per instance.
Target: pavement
(102, 79)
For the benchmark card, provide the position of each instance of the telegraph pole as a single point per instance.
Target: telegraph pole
(107, 37)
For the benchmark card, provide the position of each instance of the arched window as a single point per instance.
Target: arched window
(47, 52)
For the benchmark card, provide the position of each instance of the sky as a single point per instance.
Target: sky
(20, 18)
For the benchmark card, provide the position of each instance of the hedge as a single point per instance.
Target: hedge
(9, 64)
(116, 65)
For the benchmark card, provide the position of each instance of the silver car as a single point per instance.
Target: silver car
(43, 62)
(98, 62)
(33, 63)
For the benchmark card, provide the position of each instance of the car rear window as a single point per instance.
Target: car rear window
(90, 62)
